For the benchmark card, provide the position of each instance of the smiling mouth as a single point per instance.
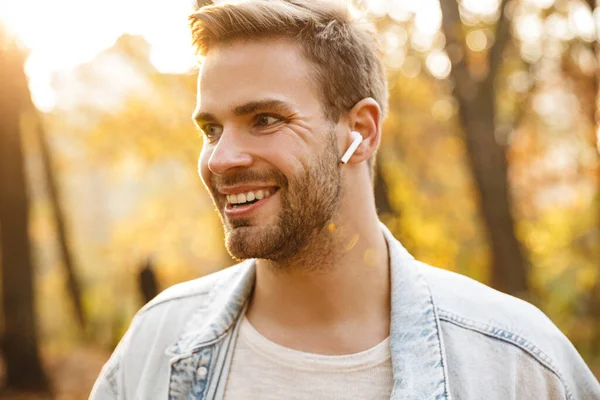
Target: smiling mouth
(248, 198)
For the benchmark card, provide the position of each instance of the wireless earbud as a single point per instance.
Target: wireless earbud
(356, 141)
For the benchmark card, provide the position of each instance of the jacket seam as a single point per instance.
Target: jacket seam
(508, 337)
(441, 345)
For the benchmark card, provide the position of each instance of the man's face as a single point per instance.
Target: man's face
(270, 158)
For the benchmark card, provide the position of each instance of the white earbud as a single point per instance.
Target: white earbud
(356, 141)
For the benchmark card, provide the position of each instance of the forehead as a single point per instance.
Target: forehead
(250, 70)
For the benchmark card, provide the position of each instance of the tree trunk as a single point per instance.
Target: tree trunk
(382, 201)
(477, 113)
(594, 295)
(147, 282)
(74, 288)
(20, 344)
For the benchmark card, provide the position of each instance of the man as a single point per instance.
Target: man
(327, 305)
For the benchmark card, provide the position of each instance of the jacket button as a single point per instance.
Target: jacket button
(201, 372)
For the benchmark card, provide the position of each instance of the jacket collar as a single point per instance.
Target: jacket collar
(221, 309)
(416, 345)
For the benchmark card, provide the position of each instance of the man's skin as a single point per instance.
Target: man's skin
(327, 289)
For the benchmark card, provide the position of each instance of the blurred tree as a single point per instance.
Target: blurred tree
(20, 341)
(73, 286)
(595, 77)
(382, 201)
(147, 281)
(476, 99)
(594, 295)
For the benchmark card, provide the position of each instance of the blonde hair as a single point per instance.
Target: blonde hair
(343, 51)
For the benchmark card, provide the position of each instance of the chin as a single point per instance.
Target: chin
(246, 241)
(243, 249)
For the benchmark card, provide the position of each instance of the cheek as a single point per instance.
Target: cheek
(287, 152)
(284, 160)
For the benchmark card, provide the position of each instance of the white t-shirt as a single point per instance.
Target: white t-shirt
(262, 369)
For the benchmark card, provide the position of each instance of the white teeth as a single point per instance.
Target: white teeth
(242, 198)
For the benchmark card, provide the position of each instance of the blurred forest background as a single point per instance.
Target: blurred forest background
(489, 165)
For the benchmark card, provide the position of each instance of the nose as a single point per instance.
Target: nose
(231, 151)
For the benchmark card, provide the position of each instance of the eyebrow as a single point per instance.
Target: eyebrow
(246, 109)
(253, 106)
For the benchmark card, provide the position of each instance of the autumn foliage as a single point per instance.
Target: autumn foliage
(489, 167)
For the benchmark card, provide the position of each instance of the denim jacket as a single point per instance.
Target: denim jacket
(450, 338)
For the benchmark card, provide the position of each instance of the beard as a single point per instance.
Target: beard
(309, 201)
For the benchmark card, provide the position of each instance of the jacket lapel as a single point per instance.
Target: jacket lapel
(197, 357)
(418, 359)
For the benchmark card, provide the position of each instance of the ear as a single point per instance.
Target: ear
(364, 118)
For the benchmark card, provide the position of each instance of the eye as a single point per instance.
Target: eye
(211, 131)
(266, 120)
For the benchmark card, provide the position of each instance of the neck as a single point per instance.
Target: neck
(338, 284)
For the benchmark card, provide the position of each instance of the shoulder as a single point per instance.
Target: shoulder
(462, 299)
(160, 324)
(197, 291)
(505, 327)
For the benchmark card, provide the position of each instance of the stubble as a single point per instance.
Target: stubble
(309, 201)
